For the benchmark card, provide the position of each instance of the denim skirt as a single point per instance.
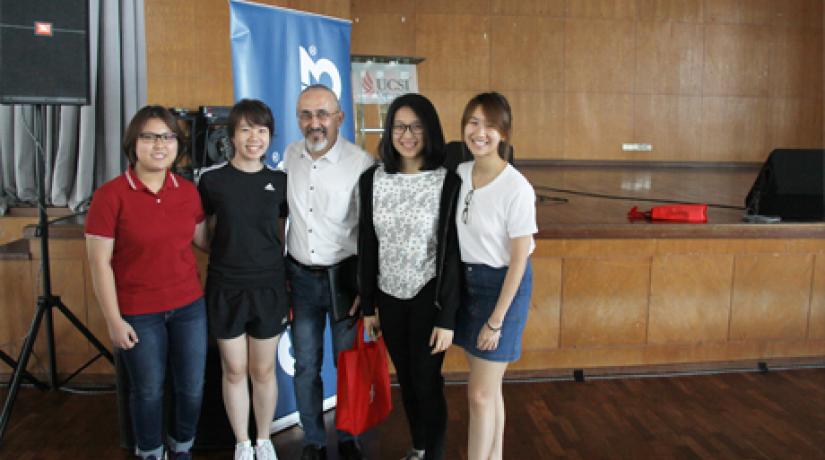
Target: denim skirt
(482, 285)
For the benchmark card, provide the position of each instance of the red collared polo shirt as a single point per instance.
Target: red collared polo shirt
(153, 263)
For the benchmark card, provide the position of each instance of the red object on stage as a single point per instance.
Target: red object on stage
(693, 213)
(363, 385)
(43, 28)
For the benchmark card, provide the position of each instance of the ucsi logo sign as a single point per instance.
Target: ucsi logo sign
(370, 85)
(312, 70)
(381, 82)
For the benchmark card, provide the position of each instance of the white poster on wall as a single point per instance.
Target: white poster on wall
(380, 83)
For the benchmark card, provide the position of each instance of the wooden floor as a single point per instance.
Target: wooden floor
(774, 415)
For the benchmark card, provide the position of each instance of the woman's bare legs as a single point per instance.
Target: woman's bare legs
(264, 384)
(486, 430)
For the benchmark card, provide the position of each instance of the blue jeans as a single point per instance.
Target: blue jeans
(176, 338)
(311, 305)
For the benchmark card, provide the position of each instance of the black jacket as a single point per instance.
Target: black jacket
(448, 258)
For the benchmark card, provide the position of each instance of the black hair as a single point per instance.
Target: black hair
(146, 113)
(254, 112)
(497, 111)
(433, 152)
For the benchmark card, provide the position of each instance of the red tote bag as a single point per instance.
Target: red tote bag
(363, 385)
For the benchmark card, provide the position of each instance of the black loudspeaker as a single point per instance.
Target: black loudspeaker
(211, 142)
(44, 52)
(790, 185)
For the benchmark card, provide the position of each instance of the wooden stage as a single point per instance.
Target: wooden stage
(610, 295)
(605, 215)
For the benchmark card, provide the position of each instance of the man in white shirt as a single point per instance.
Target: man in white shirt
(322, 171)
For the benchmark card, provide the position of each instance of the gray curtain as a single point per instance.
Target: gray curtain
(82, 144)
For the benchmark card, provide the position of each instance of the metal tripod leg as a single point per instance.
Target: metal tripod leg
(22, 362)
(29, 378)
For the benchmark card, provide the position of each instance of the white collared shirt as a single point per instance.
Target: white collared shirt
(323, 201)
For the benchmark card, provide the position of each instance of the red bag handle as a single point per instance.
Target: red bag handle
(360, 344)
(359, 339)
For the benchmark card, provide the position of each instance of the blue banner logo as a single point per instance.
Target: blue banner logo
(276, 53)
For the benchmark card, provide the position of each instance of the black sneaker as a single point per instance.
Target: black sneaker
(350, 450)
(311, 452)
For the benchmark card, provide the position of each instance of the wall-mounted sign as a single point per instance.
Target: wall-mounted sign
(380, 83)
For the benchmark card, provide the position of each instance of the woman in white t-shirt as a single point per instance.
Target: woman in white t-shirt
(496, 220)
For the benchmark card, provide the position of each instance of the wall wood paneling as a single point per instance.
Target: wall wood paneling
(539, 65)
(700, 80)
(673, 123)
(669, 58)
(383, 34)
(735, 128)
(529, 7)
(670, 10)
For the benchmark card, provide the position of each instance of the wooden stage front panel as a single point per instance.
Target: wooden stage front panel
(608, 293)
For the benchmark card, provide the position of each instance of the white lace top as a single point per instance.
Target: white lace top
(405, 216)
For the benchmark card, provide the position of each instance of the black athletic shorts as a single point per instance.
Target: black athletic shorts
(260, 312)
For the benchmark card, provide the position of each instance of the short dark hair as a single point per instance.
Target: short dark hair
(146, 113)
(433, 152)
(254, 112)
(497, 111)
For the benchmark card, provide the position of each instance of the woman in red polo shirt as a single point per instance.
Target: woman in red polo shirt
(139, 233)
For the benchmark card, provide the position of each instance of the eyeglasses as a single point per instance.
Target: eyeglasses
(465, 214)
(399, 129)
(165, 138)
(322, 115)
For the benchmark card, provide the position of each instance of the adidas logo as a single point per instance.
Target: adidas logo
(269, 187)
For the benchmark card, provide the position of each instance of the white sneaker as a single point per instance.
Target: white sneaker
(244, 451)
(414, 454)
(264, 450)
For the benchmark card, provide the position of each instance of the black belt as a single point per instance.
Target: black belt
(311, 268)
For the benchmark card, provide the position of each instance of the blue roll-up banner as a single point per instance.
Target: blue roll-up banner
(276, 53)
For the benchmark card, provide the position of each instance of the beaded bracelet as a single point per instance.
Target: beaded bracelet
(494, 329)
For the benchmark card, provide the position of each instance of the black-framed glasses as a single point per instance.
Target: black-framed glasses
(399, 129)
(164, 138)
(465, 214)
(322, 115)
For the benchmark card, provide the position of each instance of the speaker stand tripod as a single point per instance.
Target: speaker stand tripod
(30, 378)
(47, 301)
